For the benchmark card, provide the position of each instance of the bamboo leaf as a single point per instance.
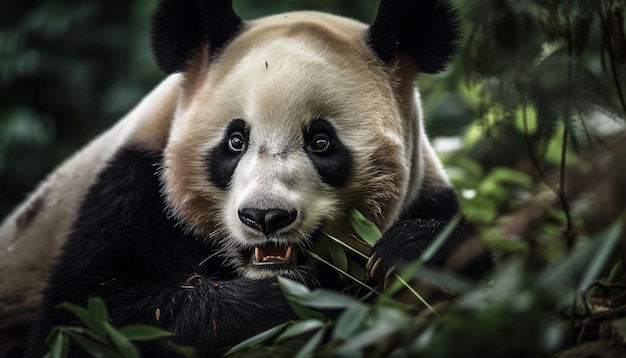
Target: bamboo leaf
(86, 317)
(350, 321)
(258, 339)
(93, 347)
(364, 228)
(301, 327)
(122, 343)
(311, 345)
(326, 299)
(338, 255)
(98, 310)
(60, 345)
(140, 332)
(292, 288)
(584, 264)
(386, 322)
(294, 291)
(606, 241)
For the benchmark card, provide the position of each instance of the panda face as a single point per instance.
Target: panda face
(291, 126)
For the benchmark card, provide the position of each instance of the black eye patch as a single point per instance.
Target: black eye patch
(223, 159)
(330, 157)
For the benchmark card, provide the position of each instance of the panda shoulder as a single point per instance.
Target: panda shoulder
(32, 235)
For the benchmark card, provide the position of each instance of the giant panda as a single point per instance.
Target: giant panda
(262, 139)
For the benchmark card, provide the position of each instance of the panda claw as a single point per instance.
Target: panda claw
(372, 268)
(388, 276)
(370, 263)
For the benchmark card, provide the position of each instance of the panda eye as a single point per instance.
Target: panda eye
(320, 144)
(237, 142)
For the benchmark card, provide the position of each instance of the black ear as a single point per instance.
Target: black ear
(180, 28)
(425, 30)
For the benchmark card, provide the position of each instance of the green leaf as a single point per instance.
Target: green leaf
(311, 345)
(507, 175)
(292, 288)
(300, 328)
(60, 345)
(584, 264)
(93, 347)
(184, 351)
(338, 255)
(445, 279)
(350, 321)
(123, 344)
(98, 310)
(364, 228)
(86, 317)
(606, 241)
(141, 332)
(293, 291)
(258, 339)
(386, 321)
(326, 299)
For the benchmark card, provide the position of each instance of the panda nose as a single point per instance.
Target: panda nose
(267, 221)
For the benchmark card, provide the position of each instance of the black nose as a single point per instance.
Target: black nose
(267, 221)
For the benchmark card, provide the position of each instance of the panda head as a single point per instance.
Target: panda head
(287, 122)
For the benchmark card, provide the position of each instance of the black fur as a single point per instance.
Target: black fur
(13, 329)
(416, 229)
(335, 165)
(221, 161)
(125, 249)
(407, 240)
(425, 31)
(181, 28)
(440, 203)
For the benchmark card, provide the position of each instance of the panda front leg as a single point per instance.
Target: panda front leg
(206, 314)
(406, 241)
(213, 315)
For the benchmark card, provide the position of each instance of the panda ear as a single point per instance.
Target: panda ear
(181, 28)
(427, 31)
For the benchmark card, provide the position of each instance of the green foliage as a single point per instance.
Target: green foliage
(100, 338)
(518, 304)
(364, 228)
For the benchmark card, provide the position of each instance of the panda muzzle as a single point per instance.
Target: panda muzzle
(272, 254)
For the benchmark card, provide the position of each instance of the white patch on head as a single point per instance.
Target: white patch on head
(287, 181)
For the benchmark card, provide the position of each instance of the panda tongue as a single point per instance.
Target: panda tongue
(271, 253)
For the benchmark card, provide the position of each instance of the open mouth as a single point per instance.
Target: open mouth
(272, 254)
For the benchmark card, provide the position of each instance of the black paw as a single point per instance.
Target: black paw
(407, 240)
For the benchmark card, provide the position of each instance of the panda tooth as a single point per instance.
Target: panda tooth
(262, 256)
(287, 257)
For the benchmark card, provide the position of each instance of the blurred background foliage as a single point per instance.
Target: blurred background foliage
(529, 121)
